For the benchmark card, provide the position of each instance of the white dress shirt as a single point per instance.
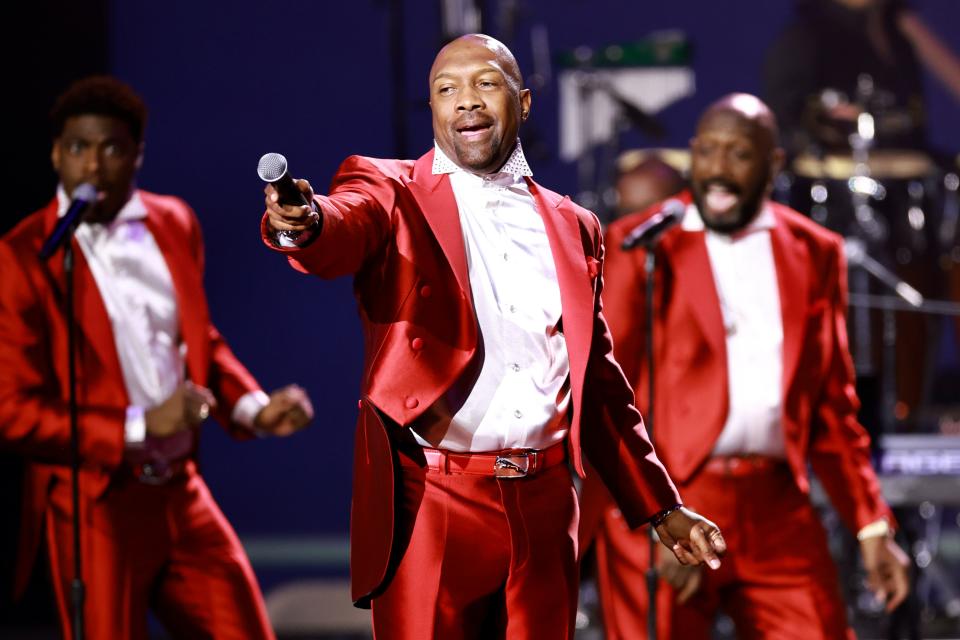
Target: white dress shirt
(745, 276)
(519, 392)
(137, 291)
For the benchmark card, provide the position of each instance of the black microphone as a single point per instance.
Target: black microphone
(272, 168)
(650, 229)
(83, 196)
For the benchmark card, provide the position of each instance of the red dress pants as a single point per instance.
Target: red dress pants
(777, 581)
(481, 557)
(165, 547)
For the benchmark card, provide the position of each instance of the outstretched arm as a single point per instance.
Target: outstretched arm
(940, 60)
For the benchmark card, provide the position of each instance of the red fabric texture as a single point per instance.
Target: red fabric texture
(34, 418)
(819, 414)
(776, 582)
(395, 226)
(482, 557)
(167, 547)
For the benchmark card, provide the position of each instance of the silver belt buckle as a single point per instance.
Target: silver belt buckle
(514, 465)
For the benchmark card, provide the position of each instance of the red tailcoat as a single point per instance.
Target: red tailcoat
(819, 400)
(34, 417)
(396, 226)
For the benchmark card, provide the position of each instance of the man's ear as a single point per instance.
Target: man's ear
(55, 155)
(777, 159)
(525, 100)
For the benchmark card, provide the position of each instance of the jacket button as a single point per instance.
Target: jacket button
(411, 403)
(425, 291)
(416, 344)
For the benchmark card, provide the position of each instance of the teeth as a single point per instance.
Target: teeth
(719, 199)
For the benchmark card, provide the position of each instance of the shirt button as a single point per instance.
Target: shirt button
(416, 344)
(506, 256)
(515, 367)
(411, 403)
(425, 291)
(513, 309)
(518, 414)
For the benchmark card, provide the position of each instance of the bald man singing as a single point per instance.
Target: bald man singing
(488, 371)
(754, 383)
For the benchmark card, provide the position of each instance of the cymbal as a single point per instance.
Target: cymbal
(883, 164)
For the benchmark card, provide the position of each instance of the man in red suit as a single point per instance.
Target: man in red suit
(487, 367)
(150, 368)
(753, 382)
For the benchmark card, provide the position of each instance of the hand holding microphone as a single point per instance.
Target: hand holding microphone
(289, 202)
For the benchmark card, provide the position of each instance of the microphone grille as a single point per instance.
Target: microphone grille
(271, 167)
(674, 206)
(84, 191)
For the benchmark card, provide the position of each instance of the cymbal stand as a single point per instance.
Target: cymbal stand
(861, 142)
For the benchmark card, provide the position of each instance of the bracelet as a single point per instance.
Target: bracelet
(660, 516)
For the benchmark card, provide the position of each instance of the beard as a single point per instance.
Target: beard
(741, 215)
(478, 158)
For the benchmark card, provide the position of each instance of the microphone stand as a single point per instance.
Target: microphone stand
(652, 575)
(858, 258)
(647, 237)
(77, 588)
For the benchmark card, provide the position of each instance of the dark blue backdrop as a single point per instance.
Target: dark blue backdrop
(227, 82)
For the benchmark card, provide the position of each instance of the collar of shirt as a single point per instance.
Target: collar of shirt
(764, 221)
(516, 165)
(134, 209)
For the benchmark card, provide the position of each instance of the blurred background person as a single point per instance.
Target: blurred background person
(642, 179)
(753, 383)
(151, 367)
(839, 58)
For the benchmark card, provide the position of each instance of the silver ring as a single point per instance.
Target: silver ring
(203, 412)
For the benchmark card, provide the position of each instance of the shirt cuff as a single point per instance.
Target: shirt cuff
(875, 529)
(135, 427)
(246, 410)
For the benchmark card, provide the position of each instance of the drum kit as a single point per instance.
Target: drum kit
(898, 210)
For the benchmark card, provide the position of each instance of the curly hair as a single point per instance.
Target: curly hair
(104, 96)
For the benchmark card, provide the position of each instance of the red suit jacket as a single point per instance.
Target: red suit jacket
(34, 417)
(819, 400)
(396, 226)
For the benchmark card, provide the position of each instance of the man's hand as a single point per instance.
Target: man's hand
(284, 217)
(692, 538)
(685, 579)
(289, 410)
(886, 565)
(186, 407)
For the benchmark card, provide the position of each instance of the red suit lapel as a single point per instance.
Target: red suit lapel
(91, 316)
(434, 196)
(188, 288)
(793, 279)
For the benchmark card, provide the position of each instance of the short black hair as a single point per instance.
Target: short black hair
(103, 96)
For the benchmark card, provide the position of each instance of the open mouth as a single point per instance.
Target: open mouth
(720, 198)
(474, 131)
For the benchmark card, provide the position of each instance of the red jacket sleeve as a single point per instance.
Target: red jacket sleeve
(839, 445)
